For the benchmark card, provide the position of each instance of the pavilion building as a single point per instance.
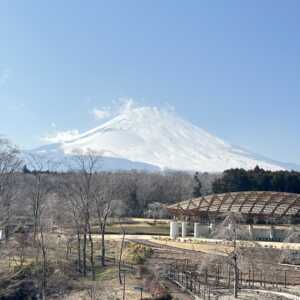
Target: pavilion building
(264, 215)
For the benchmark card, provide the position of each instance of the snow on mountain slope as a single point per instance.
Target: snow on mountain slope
(161, 138)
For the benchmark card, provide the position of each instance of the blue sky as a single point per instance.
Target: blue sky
(230, 67)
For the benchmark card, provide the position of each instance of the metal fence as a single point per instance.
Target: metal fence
(217, 279)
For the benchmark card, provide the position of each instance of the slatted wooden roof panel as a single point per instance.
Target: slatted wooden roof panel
(274, 204)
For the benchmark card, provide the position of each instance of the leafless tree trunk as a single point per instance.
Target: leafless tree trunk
(82, 185)
(121, 251)
(105, 196)
(91, 252)
(84, 252)
(44, 263)
(40, 187)
(102, 219)
(103, 246)
(78, 250)
(236, 271)
(9, 165)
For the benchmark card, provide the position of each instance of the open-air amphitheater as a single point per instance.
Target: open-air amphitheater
(261, 257)
(265, 209)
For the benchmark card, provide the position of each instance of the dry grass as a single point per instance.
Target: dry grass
(211, 248)
(107, 287)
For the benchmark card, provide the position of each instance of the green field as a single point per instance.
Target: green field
(137, 226)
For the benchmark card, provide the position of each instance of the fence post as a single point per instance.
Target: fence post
(285, 278)
(186, 279)
(249, 277)
(261, 278)
(181, 275)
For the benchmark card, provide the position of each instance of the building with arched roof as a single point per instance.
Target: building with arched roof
(254, 207)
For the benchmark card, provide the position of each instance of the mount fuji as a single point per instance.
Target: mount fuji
(148, 138)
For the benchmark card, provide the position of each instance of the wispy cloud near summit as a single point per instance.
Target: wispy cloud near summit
(61, 136)
(117, 107)
(103, 113)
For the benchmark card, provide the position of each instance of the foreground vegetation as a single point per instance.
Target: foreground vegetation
(54, 224)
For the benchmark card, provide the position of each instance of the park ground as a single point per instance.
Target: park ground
(148, 252)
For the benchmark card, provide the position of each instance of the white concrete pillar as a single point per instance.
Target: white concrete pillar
(211, 227)
(272, 232)
(251, 232)
(183, 229)
(197, 230)
(173, 229)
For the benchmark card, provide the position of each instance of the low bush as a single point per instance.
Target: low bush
(137, 254)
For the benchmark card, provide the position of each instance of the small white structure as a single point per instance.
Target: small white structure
(250, 231)
(184, 229)
(173, 229)
(211, 227)
(197, 231)
(272, 233)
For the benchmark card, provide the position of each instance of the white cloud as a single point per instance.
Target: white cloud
(4, 76)
(103, 113)
(125, 104)
(119, 106)
(61, 136)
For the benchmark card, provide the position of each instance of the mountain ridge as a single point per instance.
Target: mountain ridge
(160, 139)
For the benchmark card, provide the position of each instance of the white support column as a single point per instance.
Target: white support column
(272, 232)
(251, 232)
(183, 229)
(197, 230)
(211, 227)
(173, 229)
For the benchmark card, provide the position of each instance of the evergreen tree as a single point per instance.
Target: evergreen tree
(236, 180)
(197, 186)
(26, 170)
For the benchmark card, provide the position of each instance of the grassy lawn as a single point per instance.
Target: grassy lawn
(106, 273)
(140, 226)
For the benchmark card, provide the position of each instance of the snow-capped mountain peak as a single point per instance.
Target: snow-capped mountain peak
(161, 139)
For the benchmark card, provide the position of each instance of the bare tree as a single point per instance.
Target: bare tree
(9, 165)
(39, 187)
(105, 197)
(121, 252)
(82, 188)
(229, 230)
(68, 192)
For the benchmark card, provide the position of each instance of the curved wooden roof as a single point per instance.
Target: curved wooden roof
(272, 204)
